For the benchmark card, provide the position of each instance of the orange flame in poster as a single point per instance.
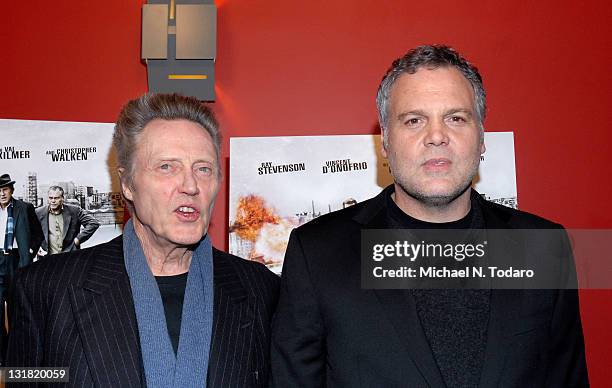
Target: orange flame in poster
(251, 215)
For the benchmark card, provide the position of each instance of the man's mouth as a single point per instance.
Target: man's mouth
(188, 213)
(437, 166)
(437, 162)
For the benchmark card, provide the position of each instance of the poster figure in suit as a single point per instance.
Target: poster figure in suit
(61, 224)
(157, 306)
(328, 331)
(20, 237)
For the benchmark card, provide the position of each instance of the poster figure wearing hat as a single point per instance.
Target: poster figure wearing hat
(20, 238)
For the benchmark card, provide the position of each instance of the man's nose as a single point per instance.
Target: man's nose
(189, 185)
(437, 133)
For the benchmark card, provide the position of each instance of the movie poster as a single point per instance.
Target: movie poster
(279, 183)
(76, 156)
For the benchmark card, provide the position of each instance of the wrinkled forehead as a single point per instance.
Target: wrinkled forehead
(439, 81)
(180, 137)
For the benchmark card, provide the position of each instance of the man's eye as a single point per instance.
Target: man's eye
(164, 167)
(413, 121)
(457, 119)
(205, 170)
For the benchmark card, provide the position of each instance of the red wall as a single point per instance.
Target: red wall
(312, 67)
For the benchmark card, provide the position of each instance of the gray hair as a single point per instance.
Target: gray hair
(56, 188)
(430, 57)
(137, 113)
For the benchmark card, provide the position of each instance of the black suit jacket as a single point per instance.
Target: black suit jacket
(76, 310)
(328, 331)
(74, 217)
(28, 234)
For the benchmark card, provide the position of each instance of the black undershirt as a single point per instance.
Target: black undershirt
(454, 320)
(172, 290)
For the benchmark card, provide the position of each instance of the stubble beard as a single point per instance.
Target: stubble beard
(438, 200)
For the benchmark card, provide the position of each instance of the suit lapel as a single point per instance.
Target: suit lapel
(399, 305)
(505, 308)
(400, 310)
(44, 223)
(105, 317)
(16, 215)
(505, 303)
(21, 235)
(66, 217)
(233, 325)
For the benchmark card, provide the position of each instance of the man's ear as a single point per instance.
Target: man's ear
(483, 147)
(126, 188)
(383, 149)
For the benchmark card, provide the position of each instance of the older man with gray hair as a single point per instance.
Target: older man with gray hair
(158, 306)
